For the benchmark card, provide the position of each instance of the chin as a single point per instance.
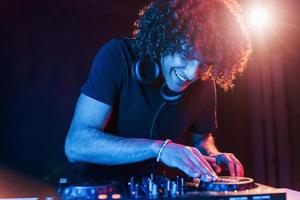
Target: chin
(178, 89)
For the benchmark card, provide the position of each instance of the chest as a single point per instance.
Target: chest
(142, 113)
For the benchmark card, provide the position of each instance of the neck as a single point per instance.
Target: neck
(169, 95)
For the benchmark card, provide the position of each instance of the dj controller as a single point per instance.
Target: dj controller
(161, 187)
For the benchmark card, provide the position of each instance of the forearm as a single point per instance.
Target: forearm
(88, 144)
(206, 144)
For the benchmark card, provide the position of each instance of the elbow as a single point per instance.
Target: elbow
(71, 150)
(70, 155)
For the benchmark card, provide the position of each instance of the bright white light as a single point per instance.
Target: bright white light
(259, 17)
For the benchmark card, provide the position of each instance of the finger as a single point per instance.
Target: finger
(206, 162)
(200, 159)
(198, 164)
(206, 178)
(210, 159)
(190, 169)
(229, 164)
(206, 166)
(216, 168)
(213, 162)
(239, 169)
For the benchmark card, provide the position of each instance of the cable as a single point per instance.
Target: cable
(154, 166)
(154, 118)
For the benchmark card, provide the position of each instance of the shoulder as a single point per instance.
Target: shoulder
(120, 46)
(116, 53)
(202, 92)
(120, 51)
(205, 86)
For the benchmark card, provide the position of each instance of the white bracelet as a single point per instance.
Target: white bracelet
(162, 148)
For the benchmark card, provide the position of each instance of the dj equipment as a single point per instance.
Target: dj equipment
(161, 187)
(146, 70)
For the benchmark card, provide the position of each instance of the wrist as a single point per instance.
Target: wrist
(155, 147)
(209, 148)
(162, 147)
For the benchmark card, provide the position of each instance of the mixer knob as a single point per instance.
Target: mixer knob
(181, 186)
(181, 182)
(92, 191)
(166, 188)
(80, 192)
(166, 194)
(131, 186)
(154, 192)
(178, 180)
(72, 192)
(174, 189)
(150, 185)
(136, 191)
(168, 185)
(66, 191)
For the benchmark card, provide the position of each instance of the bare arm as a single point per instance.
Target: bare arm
(205, 143)
(86, 141)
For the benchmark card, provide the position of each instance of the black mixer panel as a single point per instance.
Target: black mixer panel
(161, 187)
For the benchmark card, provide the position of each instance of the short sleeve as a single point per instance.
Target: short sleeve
(207, 119)
(104, 79)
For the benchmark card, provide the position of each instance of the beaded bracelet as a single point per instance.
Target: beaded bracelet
(162, 148)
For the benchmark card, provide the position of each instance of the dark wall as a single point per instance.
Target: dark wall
(292, 73)
(46, 51)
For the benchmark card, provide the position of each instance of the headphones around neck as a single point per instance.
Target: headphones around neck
(147, 71)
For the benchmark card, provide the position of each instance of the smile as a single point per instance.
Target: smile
(180, 76)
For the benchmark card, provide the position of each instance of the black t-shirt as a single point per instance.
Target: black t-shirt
(135, 104)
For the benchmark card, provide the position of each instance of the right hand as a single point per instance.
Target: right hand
(189, 160)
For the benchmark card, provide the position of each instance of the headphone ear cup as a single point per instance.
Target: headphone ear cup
(146, 70)
(170, 96)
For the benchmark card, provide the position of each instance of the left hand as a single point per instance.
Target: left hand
(232, 164)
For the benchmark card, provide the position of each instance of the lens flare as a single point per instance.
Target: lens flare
(259, 17)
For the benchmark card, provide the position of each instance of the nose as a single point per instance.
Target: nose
(192, 70)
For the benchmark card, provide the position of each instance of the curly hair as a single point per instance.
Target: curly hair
(209, 30)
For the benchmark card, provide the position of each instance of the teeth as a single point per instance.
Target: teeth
(180, 77)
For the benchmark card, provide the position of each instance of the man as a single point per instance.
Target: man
(152, 98)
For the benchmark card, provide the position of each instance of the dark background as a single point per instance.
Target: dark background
(46, 51)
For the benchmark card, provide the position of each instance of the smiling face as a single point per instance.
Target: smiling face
(179, 72)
